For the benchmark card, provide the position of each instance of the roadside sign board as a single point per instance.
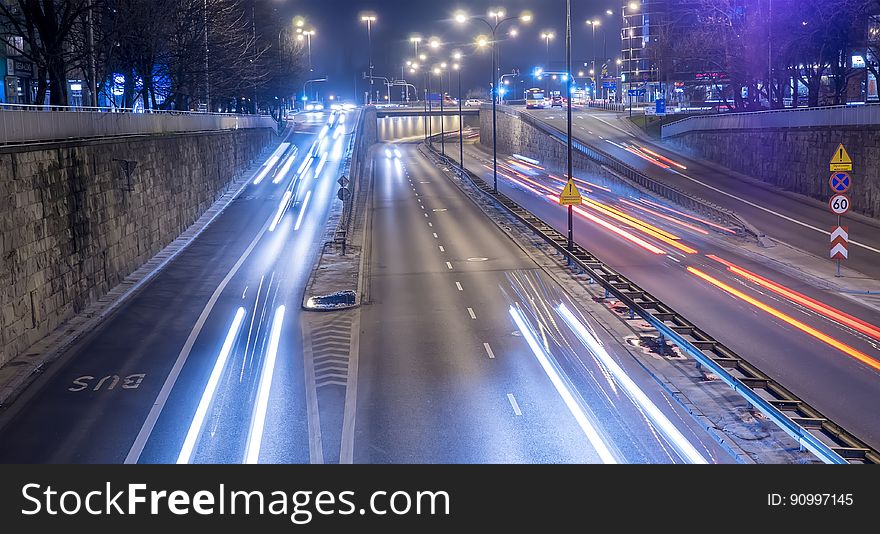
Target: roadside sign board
(344, 194)
(839, 204)
(343, 181)
(570, 195)
(840, 182)
(839, 243)
(660, 106)
(841, 160)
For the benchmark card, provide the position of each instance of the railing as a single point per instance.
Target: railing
(28, 123)
(610, 106)
(861, 115)
(827, 440)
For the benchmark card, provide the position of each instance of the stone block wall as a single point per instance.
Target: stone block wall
(73, 225)
(795, 159)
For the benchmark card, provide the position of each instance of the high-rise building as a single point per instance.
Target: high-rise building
(640, 34)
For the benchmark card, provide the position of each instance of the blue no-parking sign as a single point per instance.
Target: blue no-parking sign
(840, 182)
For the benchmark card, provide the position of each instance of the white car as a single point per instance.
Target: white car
(473, 102)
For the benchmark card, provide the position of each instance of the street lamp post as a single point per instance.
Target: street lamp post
(498, 15)
(370, 19)
(593, 24)
(568, 99)
(457, 67)
(547, 36)
(438, 71)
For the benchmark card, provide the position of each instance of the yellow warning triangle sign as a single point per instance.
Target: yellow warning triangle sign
(570, 195)
(841, 160)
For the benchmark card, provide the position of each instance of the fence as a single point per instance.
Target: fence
(23, 124)
(863, 115)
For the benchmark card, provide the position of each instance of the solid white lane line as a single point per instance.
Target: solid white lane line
(471, 313)
(255, 437)
(489, 351)
(458, 285)
(449, 265)
(514, 404)
(198, 420)
(768, 210)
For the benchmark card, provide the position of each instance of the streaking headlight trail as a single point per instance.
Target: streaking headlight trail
(635, 393)
(195, 427)
(567, 397)
(255, 436)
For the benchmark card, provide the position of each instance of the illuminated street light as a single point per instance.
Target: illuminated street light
(369, 18)
(498, 15)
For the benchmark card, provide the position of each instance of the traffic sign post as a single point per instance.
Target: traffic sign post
(840, 182)
(841, 160)
(839, 204)
(841, 165)
(839, 245)
(570, 197)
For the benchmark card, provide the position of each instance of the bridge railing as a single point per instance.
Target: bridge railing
(29, 123)
(862, 115)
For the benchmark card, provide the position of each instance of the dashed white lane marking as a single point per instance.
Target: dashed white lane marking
(458, 285)
(472, 314)
(436, 236)
(449, 265)
(430, 224)
(489, 351)
(513, 404)
(442, 249)
(426, 215)
(244, 292)
(676, 260)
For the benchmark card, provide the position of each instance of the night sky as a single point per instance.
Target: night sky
(340, 51)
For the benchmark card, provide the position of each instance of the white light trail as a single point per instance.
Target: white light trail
(302, 210)
(285, 168)
(195, 427)
(281, 209)
(270, 163)
(592, 434)
(255, 437)
(635, 393)
(321, 164)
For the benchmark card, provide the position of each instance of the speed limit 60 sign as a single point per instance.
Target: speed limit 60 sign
(839, 204)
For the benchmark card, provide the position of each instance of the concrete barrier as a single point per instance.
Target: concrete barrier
(19, 126)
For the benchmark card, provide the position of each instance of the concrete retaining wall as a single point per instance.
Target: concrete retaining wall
(72, 226)
(794, 158)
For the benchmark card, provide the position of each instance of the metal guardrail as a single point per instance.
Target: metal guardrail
(23, 124)
(861, 115)
(805, 424)
(622, 170)
(610, 106)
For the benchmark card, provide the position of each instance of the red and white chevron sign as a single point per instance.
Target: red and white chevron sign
(839, 243)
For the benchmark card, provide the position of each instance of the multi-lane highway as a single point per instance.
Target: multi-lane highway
(784, 217)
(466, 354)
(821, 345)
(204, 363)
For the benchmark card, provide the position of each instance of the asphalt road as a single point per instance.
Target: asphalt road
(783, 217)
(446, 374)
(196, 346)
(803, 358)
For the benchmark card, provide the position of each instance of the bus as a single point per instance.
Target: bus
(535, 99)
